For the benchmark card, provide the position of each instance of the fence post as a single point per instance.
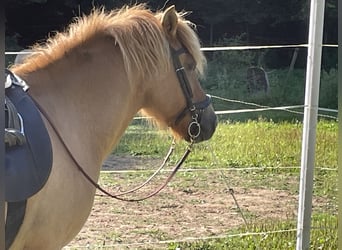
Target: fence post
(2, 128)
(313, 70)
(339, 160)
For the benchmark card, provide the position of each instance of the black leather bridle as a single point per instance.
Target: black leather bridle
(195, 108)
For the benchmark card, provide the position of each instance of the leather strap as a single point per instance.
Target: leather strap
(14, 220)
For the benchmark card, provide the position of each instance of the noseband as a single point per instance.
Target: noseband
(195, 108)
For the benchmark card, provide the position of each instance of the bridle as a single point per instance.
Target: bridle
(195, 108)
(194, 130)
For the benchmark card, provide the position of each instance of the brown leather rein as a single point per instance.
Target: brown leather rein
(118, 196)
(194, 131)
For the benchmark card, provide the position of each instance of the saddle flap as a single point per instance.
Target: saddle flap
(27, 166)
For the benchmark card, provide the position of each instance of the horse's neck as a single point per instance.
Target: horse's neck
(89, 100)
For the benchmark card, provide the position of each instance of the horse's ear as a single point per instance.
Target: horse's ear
(170, 21)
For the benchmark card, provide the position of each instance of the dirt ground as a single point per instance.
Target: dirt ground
(189, 207)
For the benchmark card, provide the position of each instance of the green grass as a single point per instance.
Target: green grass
(275, 235)
(267, 147)
(239, 144)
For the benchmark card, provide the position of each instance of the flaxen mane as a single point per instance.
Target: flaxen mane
(136, 30)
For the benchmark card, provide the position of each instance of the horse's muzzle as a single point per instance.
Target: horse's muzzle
(207, 120)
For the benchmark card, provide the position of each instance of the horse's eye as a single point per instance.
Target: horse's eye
(191, 66)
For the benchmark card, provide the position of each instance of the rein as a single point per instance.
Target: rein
(194, 130)
(167, 157)
(118, 196)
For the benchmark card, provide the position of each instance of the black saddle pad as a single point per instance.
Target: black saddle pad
(27, 166)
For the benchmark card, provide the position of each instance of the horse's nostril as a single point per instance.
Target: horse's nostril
(208, 124)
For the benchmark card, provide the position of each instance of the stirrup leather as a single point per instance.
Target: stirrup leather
(14, 127)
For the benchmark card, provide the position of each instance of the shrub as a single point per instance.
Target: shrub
(227, 78)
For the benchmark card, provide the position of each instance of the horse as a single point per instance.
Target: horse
(89, 81)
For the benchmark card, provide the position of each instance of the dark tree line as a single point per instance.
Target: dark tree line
(256, 22)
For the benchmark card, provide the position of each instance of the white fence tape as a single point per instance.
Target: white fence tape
(218, 48)
(186, 239)
(285, 108)
(261, 107)
(263, 47)
(227, 169)
(18, 52)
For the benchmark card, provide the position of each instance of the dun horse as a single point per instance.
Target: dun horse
(89, 83)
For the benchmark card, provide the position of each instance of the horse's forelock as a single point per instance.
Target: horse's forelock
(189, 39)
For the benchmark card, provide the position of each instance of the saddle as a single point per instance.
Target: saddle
(28, 150)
